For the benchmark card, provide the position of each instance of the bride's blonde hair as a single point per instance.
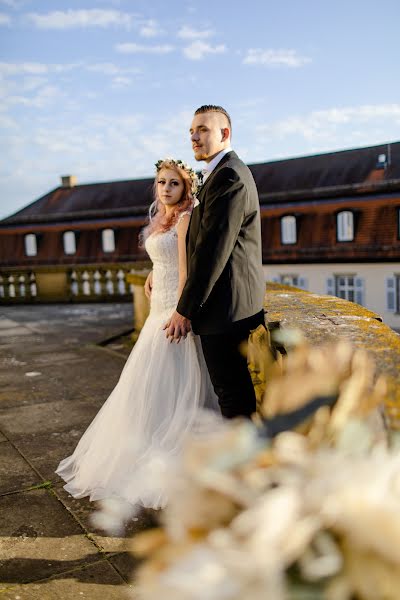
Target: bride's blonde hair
(158, 220)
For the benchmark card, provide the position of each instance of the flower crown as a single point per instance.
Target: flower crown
(181, 165)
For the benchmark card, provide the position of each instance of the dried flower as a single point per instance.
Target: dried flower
(313, 512)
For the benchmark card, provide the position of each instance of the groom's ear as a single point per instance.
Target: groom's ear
(225, 134)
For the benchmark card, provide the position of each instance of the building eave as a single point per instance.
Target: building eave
(87, 217)
(77, 224)
(354, 191)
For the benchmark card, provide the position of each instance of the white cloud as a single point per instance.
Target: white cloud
(132, 48)
(121, 82)
(108, 68)
(275, 58)
(81, 18)
(44, 97)
(332, 124)
(7, 69)
(34, 68)
(32, 83)
(37, 69)
(198, 50)
(5, 19)
(150, 29)
(102, 147)
(188, 33)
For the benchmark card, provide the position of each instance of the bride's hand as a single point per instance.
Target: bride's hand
(148, 286)
(177, 327)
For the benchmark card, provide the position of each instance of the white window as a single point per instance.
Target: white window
(345, 226)
(393, 294)
(303, 283)
(69, 242)
(288, 230)
(30, 244)
(359, 298)
(289, 280)
(347, 287)
(108, 240)
(330, 286)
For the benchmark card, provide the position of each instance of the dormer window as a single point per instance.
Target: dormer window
(30, 244)
(381, 162)
(288, 230)
(108, 240)
(345, 226)
(69, 242)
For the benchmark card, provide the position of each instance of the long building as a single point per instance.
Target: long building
(330, 222)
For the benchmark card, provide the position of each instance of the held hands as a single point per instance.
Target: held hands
(148, 286)
(177, 327)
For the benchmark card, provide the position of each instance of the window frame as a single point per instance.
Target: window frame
(103, 245)
(33, 237)
(347, 287)
(393, 294)
(341, 236)
(64, 237)
(294, 279)
(290, 222)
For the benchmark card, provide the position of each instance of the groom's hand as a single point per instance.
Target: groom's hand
(177, 327)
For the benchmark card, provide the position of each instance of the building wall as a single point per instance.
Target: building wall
(88, 239)
(376, 231)
(372, 279)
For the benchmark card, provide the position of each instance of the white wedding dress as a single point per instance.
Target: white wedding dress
(147, 418)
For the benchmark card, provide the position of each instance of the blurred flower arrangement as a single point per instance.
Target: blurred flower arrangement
(302, 504)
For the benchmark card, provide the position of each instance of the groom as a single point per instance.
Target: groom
(222, 300)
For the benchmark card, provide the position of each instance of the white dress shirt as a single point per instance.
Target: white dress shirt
(213, 163)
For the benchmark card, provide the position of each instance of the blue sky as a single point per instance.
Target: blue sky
(102, 89)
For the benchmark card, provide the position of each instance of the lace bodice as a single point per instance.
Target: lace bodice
(163, 251)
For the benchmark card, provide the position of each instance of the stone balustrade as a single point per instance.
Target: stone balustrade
(77, 283)
(18, 286)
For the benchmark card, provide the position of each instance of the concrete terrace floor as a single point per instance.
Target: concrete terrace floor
(54, 377)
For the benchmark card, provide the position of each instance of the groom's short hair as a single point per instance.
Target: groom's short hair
(214, 108)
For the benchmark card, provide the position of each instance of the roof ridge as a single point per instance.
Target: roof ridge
(327, 153)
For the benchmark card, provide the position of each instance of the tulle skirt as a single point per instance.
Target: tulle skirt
(144, 423)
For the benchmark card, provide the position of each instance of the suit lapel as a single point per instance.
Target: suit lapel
(221, 163)
(196, 218)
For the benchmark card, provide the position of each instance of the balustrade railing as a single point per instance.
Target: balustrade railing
(98, 282)
(18, 286)
(67, 284)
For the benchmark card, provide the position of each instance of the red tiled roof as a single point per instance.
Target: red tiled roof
(348, 172)
(332, 174)
(88, 201)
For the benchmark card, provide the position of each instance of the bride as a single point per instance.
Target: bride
(163, 387)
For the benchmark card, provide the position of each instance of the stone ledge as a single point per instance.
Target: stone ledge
(327, 318)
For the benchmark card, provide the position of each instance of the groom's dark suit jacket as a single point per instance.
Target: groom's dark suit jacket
(225, 282)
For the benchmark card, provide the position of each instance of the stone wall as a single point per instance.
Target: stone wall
(326, 318)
